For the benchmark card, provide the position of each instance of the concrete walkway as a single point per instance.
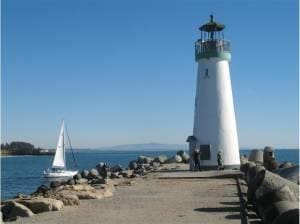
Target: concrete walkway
(156, 200)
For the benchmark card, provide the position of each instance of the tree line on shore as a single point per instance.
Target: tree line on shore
(23, 148)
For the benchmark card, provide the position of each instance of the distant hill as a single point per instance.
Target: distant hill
(145, 147)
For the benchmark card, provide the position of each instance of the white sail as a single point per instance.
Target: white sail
(59, 158)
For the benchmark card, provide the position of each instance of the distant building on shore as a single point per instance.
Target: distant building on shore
(214, 117)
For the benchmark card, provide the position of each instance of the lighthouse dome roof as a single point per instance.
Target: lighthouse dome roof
(212, 26)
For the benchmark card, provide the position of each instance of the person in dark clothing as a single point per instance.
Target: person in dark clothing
(103, 172)
(196, 157)
(220, 161)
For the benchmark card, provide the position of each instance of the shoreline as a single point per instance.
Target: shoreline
(16, 155)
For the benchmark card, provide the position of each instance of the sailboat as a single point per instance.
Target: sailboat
(58, 168)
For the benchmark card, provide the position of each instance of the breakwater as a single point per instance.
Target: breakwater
(91, 185)
(96, 183)
(21, 174)
(271, 189)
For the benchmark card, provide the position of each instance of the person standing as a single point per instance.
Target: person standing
(103, 171)
(196, 156)
(220, 161)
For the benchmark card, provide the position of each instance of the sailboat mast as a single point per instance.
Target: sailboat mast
(64, 151)
(69, 140)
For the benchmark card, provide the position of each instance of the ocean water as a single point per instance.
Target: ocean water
(23, 174)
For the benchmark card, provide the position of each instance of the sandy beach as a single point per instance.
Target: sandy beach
(156, 198)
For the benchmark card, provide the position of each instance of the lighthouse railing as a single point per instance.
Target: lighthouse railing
(204, 47)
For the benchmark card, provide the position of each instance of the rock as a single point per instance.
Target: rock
(55, 184)
(71, 182)
(144, 159)
(253, 180)
(24, 196)
(38, 205)
(268, 154)
(133, 165)
(20, 210)
(256, 156)
(243, 159)
(147, 166)
(85, 173)
(184, 156)
(43, 189)
(268, 182)
(178, 159)
(11, 210)
(270, 164)
(139, 171)
(140, 166)
(5, 209)
(174, 159)
(263, 203)
(290, 173)
(180, 152)
(68, 199)
(77, 176)
(133, 175)
(282, 212)
(246, 167)
(155, 164)
(81, 181)
(161, 159)
(89, 195)
(116, 168)
(252, 172)
(98, 181)
(81, 187)
(93, 174)
(126, 173)
(115, 175)
(285, 165)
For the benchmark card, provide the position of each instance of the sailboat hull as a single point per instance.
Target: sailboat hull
(65, 173)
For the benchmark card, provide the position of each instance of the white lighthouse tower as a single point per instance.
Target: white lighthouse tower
(214, 119)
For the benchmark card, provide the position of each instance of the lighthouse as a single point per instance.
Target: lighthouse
(214, 117)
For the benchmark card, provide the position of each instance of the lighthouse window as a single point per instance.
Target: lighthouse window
(206, 73)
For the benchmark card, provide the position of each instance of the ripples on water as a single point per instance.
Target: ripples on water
(23, 174)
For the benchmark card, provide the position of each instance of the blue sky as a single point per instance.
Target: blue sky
(123, 72)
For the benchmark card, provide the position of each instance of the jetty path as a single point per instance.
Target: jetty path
(175, 196)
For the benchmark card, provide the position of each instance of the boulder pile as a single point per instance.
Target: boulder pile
(144, 164)
(87, 184)
(95, 183)
(274, 198)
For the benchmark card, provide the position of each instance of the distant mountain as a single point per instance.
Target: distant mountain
(145, 147)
